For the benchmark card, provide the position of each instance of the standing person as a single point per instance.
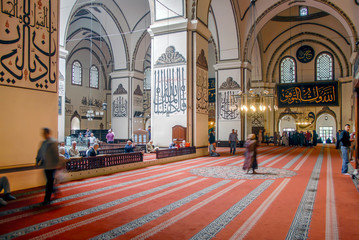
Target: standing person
(352, 145)
(315, 138)
(233, 139)
(337, 143)
(110, 136)
(87, 133)
(80, 138)
(344, 139)
(4, 184)
(260, 136)
(250, 154)
(275, 138)
(48, 157)
(92, 140)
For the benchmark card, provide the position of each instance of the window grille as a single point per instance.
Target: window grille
(94, 77)
(76, 73)
(287, 70)
(324, 67)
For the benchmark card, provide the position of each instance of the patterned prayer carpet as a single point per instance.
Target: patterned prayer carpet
(298, 193)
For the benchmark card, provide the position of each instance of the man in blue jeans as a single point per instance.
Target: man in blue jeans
(344, 139)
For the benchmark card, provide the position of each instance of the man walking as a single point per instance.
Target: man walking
(48, 157)
(233, 139)
(344, 138)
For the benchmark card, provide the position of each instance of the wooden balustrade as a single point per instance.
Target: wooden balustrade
(87, 163)
(174, 152)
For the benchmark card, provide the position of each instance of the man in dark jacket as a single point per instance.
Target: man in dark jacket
(92, 152)
(345, 145)
(48, 157)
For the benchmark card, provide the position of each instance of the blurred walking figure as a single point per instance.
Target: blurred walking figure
(250, 154)
(48, 157)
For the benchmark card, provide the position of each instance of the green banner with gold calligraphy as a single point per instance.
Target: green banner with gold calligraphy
(308, 94)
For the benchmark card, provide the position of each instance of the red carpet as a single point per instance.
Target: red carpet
(299, 193)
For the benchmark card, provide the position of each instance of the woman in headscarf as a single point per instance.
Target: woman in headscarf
(250, 161)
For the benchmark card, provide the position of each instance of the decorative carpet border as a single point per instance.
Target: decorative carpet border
(233, 172)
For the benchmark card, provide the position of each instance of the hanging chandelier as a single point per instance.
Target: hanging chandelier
(253, 101)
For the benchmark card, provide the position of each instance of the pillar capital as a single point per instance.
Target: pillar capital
(125, 73)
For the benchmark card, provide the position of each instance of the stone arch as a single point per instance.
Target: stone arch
(276, 8)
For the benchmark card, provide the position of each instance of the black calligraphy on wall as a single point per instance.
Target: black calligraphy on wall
(119, 107)
(228, 105)
(28, 44)
(202, 91)
(308, 94)
(170, 91)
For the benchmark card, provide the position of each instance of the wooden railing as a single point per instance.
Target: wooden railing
(87, 163)
(174, 152)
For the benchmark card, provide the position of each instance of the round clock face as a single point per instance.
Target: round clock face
(305, 54)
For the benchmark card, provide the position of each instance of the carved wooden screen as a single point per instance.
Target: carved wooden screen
(179, 133)
(140, 136)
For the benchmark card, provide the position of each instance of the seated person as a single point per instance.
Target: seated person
(150, 148)
(4, 184)
(183, 144)
(212, 150)
(67, 155)
(73, 151)
(129, 147)
(173, 144)
(92, 152)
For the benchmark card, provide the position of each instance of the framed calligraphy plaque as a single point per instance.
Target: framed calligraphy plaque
(305, 54)
(308, 94)
(29, 44)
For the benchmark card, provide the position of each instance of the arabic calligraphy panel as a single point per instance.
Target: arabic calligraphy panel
(28, 44)
(308, 94)
(170, 95)
(202, 91)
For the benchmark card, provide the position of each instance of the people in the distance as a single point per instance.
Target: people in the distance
(212, 150)
(110, 136)
(129, 148)
(74, 151)
(173, 144)
(92, 152)
(150, 148)
(4, 184)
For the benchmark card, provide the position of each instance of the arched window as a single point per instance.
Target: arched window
(93, 77)
(147, 82)
(76, 73)
(288, 70)
(324, 67)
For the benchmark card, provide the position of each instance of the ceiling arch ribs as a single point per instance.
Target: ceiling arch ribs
(337, 48)
(108, 58)
(143, 43)
(269, 11)
(284, 52)
(301, 24)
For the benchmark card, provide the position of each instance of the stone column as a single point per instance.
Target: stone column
(179, 93)
(228, 82)
(62, 93)
(126, 100)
